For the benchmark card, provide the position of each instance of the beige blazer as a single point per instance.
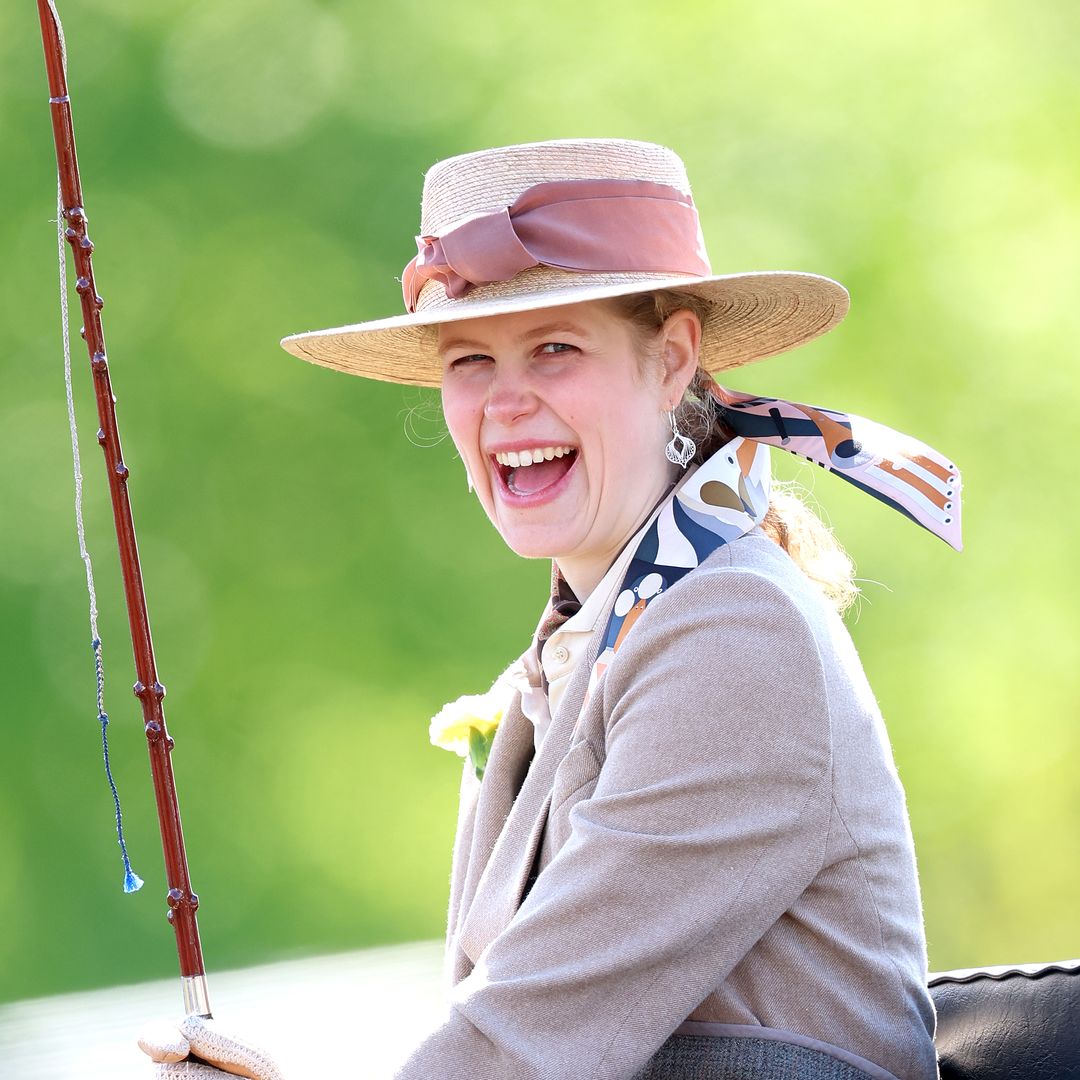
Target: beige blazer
(721, 836)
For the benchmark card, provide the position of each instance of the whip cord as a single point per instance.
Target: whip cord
(132, 881)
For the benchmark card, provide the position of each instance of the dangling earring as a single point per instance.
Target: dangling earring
(468, 480)
(682, 448)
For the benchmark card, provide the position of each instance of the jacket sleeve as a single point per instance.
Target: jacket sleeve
(709, 818)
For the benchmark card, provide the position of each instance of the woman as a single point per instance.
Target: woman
(689, 854)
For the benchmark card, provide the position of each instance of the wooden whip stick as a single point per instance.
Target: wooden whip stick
(181, 900)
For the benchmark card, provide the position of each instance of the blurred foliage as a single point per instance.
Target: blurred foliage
(320, 584)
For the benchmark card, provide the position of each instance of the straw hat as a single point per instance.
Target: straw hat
(631, 199)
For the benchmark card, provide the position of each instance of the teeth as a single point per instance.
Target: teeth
(516, 459)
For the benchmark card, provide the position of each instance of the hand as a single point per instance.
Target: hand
(198, 1051)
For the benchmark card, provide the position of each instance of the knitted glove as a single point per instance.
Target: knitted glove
(198, 1051)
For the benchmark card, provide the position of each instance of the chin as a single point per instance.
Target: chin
(531, 547)
(532, 542)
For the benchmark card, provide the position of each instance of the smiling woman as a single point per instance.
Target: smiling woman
(686, 852)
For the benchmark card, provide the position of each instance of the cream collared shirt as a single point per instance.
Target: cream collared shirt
(566, 648)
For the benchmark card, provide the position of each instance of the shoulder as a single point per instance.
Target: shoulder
(747, 645)
(747, 594)
(729, 657)
(757, 569)
(747, 616)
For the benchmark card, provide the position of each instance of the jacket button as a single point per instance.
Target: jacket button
(560, 654)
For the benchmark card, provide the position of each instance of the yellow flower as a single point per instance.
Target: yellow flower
(451, 725)
(467, 726)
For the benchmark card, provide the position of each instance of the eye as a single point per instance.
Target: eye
(550, 348)
(468, 360)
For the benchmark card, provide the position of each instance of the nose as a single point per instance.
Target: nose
(509, 398)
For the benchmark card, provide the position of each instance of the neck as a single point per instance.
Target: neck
(583, 573)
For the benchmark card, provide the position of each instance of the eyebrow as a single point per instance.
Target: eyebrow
(553, 328)
(531, 335)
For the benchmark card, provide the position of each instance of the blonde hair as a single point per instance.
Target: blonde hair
(789, 522)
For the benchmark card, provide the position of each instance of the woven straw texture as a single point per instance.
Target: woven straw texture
(473, 183)
(754, 315)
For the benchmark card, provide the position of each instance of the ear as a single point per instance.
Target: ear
(680, 343)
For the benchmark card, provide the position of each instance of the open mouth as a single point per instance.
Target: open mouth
(531, 472)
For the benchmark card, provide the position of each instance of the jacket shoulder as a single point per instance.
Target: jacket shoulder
(756, 556)
(751, 578)
(746, 628)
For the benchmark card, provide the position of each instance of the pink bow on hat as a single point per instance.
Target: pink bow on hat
(589, 225)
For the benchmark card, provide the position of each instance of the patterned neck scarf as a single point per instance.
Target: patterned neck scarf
(729, 494)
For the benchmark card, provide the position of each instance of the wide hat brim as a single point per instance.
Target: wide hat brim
(752, 316)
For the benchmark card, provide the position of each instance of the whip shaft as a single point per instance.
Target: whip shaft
(182, 901)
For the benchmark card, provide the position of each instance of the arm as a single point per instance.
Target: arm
(709, 818)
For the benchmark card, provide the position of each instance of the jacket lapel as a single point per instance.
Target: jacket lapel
(511, 753)
(501, 868)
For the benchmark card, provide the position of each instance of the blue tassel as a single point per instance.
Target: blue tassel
(132, 881)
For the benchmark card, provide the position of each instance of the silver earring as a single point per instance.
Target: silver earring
(468, 480)
(682, 448)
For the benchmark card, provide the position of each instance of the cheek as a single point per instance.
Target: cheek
(628, 430)
(462, 417)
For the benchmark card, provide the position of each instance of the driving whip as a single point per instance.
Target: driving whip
(182, 902)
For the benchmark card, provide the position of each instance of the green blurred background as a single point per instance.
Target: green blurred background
(320, 583)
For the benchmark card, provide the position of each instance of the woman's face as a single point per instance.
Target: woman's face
(559, 428)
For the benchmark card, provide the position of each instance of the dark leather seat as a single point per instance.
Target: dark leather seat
(1009, 1023)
